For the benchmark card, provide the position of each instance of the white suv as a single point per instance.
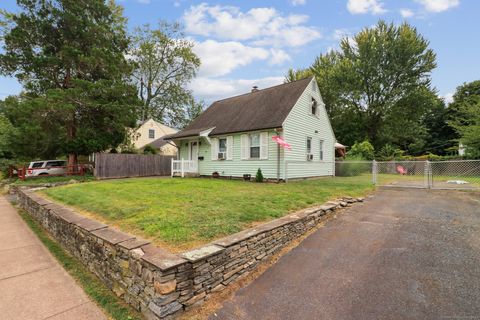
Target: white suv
(46, 167)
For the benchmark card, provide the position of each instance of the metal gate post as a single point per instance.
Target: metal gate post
(374, 172)
(428, 174)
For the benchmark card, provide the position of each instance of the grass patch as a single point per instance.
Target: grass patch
(113, 306)
(182, 213)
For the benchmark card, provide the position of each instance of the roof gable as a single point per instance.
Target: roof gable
(262, 109)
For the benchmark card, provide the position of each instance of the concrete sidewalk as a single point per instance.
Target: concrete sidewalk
(33, 285)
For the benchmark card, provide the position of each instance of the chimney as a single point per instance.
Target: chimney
(254, 89)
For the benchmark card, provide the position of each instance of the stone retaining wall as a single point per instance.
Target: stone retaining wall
(158, 283)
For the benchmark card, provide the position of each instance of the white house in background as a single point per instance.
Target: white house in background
(239, 135)
(151, 132)
(461, 149)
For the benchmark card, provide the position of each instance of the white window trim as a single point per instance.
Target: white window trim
(311, 149)
(321, 150)
(245, 145)
(151, 130)
(229, 148)
(317, 114)
(249, 150)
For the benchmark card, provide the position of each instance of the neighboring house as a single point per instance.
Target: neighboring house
(151, 132)
(234, 136)
(461, 149)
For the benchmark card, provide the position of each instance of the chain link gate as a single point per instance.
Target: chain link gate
(456, 174)
(460, 174)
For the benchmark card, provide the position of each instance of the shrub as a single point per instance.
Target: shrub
(149, 150)
(389, 152)
(363, 150)
(259, 176)
(351, 168)
(5, 165)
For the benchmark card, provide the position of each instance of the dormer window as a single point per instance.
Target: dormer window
(314, 107)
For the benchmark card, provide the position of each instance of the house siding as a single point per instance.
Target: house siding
(142, 139)
(299, 125)
(236, 167)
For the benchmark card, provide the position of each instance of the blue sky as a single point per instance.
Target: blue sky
(246, 43)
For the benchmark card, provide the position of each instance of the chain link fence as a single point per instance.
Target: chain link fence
(358, 169)
(460, 174)
(402, 173)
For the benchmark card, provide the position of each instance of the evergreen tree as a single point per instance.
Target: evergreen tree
(70, 57)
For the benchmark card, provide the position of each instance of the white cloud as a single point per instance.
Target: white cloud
(438, 5)
(339, 34)
(406, 13)
(216, 89)
(221, 58)
(365, 6)
(278, 56)
(262, 26)
(298, 2)
(448, 98)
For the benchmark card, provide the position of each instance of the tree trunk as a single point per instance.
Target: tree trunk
(72, 163)
(72, 157)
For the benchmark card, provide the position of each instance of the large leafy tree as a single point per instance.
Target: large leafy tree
(164, 64)
(465, 115)
(70, 57)
(440, 135)
(373, 84)
(37, 134)
(6, 132)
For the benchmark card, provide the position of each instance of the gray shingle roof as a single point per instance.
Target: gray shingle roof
(264, 109)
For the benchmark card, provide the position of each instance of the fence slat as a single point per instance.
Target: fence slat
(111, 165)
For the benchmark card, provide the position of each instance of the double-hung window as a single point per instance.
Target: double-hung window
(314, 107)
(222, 145)
(309, 149)
(222, 148)
(151, 133)
(321, 150)
(254, 146)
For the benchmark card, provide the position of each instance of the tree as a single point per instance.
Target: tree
(294, 75)
(465, 112)
(361, 151)
(164, 65)
(70, 57)
(37, 135)
(182, 117)
(371, 81)
(6, 132)
(440, 135)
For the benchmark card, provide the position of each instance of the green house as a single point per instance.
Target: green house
(239, 135)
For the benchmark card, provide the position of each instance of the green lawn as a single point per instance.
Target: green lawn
(54, 179)
(183, 213)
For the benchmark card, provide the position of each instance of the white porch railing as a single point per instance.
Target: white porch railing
(184, 166)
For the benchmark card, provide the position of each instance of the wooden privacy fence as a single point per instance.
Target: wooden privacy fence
(113, 165)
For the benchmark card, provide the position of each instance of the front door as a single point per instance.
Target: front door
(193, 154)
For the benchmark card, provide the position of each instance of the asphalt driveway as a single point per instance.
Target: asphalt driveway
(402, 254)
